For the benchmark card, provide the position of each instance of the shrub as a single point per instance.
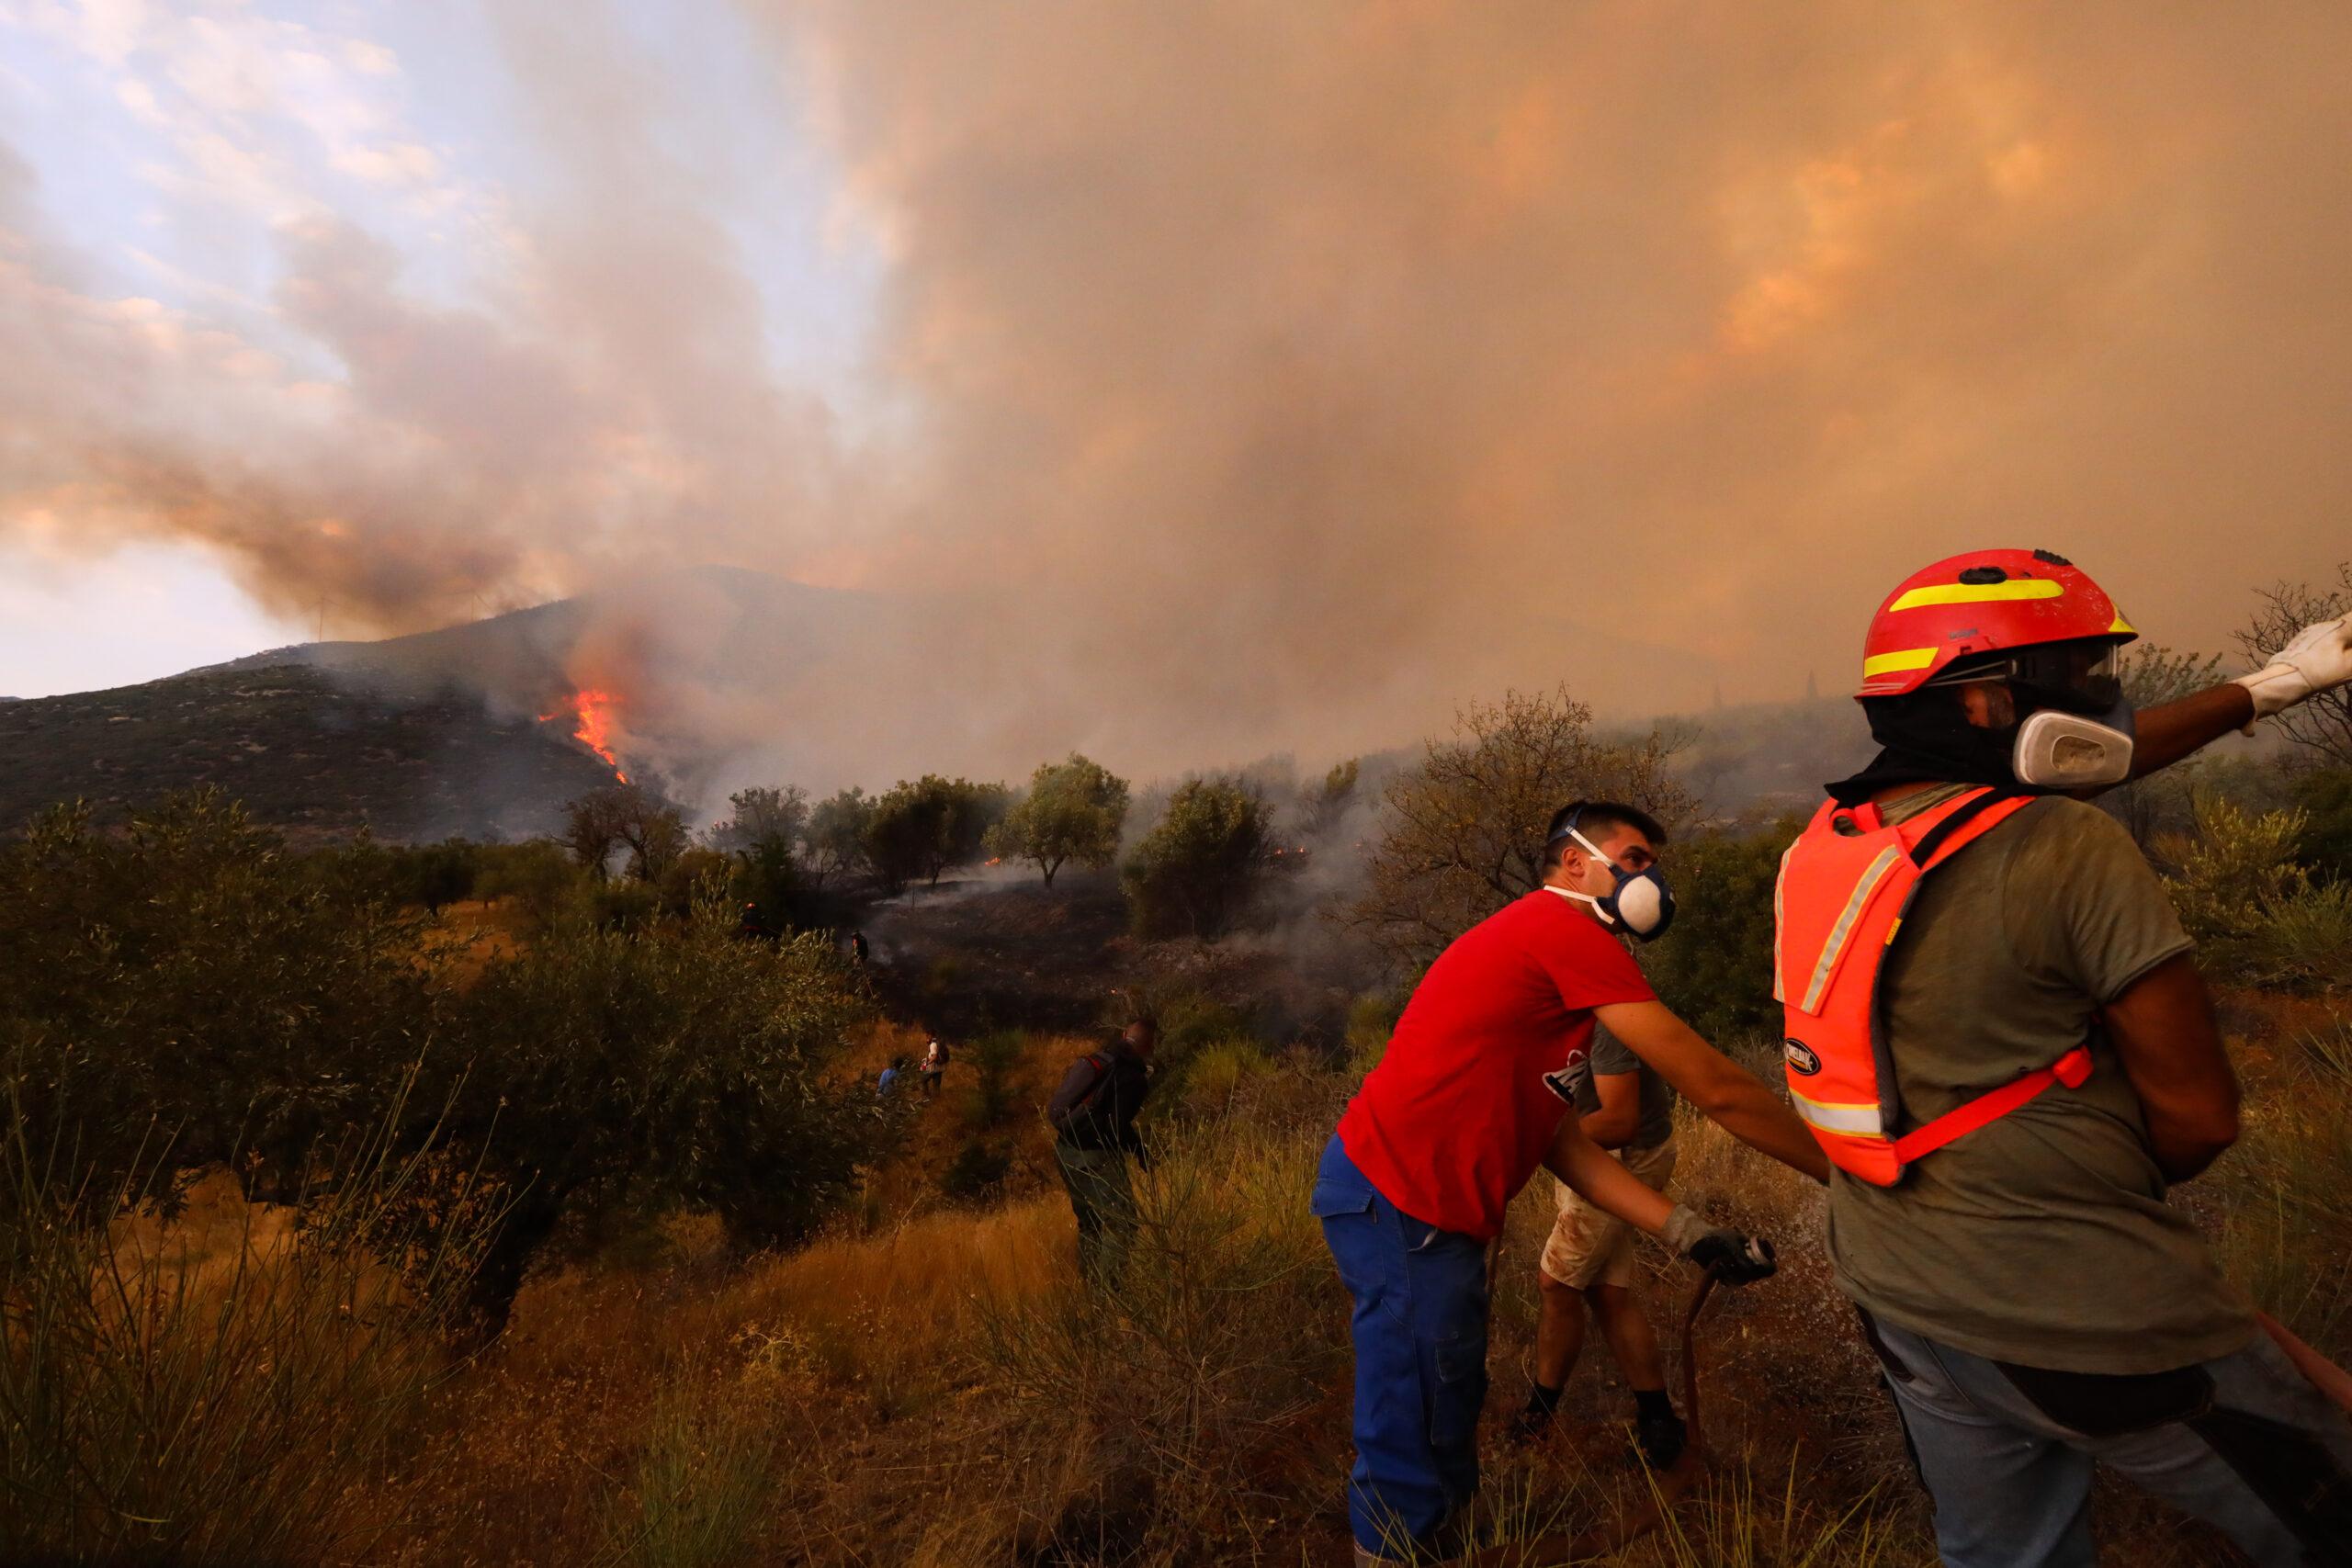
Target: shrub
(187, 981)
(538, 875)
(678, 1067)
(1714, 966)
(975, 1172)
(1194, 873)
(2324, 797)
(995, 1056)
(1462, 833)
(1211, 1076)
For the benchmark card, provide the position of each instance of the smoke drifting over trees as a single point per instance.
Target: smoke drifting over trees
(1251, 378)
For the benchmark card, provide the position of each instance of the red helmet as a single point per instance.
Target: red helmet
(1981, 603)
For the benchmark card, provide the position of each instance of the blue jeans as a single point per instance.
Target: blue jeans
(2245, 1443)
(1419, 1327)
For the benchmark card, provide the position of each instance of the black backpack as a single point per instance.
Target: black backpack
(1069, 1100)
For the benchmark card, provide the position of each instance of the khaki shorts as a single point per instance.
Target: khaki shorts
(1590, 1247)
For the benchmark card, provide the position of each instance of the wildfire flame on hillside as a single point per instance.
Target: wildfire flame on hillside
(594, 709)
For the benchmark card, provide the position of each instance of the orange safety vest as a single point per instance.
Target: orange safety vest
(1845, 886)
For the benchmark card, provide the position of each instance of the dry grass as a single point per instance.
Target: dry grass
(930, 1385)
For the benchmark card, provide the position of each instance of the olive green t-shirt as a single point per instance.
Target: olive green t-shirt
(2044, 1238)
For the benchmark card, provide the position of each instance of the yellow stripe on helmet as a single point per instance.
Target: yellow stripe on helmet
(2123, 627)
(1902, 658)
(1979, 592)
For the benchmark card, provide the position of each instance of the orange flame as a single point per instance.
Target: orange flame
(595, 711)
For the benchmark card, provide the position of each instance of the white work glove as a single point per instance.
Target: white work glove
(2318, 659)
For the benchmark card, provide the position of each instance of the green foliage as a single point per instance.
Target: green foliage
(917, 830)
(625, 817)
(1073, 812)
(1194, 873)
(762, 814)
(678, 1066)
(536, 876)
(975, 1172)
(2323, 795)
(1214, 1074)
(188, 980)
(2257, 917)
(187, 983)
(995, 1057)
(835, 836)
(702, 1485)
(1714, 966)
(1325, 806)
(2236, 869)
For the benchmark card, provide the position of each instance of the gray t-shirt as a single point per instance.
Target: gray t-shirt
(1609, 1056)
(2044, 1238)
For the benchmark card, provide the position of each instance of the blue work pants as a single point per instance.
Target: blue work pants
(1419, 1328)
(2245, 1443)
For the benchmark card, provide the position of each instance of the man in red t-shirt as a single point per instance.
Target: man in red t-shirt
(1471, 1098)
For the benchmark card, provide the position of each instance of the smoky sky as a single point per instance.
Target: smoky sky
(1261, 377)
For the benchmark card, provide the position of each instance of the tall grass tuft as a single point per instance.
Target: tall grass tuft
(2285, 1196)
(1174, 1396)
(702, 1485)
(214, 1389)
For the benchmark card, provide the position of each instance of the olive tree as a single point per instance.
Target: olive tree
(1194, 872)
(1073, 812)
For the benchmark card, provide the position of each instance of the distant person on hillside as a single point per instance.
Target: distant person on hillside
(935, 1068)
(857, 947)
(1093, 1118)
(1628, 1109)
(891, 1076)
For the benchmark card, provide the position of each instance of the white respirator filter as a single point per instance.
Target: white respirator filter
(1640, 906)
(2065, 751)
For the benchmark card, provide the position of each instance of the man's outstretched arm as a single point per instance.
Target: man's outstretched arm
(1717, 1088)
(2317, 659)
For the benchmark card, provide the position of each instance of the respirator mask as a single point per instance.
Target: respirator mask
(2075, 725)
(1639, 904)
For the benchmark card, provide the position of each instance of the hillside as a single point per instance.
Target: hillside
(306, 752)
(434, 733)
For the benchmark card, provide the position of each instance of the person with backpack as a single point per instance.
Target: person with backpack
(1093, 1118)
(935, 1068)
(1995, 1028)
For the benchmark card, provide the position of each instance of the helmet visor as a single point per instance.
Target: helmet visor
(2081, 676)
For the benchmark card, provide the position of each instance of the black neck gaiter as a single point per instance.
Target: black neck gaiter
(1928, 739)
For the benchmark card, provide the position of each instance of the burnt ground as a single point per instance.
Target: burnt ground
(1000, 951)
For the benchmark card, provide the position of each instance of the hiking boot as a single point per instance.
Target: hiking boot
(1526, 1425)
(1661, 1435)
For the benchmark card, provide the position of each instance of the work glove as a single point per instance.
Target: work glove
(2317, 659)
(1734, 1258)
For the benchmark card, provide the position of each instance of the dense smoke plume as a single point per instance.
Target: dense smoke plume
(1278, 377)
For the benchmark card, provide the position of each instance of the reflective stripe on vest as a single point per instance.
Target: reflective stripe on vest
(1837, 905)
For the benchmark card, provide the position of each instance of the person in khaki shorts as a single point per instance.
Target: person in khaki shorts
(1587, 1259)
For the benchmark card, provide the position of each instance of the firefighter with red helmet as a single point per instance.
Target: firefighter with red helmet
(1996, 1032)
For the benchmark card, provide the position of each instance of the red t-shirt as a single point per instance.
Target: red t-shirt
(1456, 1117)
